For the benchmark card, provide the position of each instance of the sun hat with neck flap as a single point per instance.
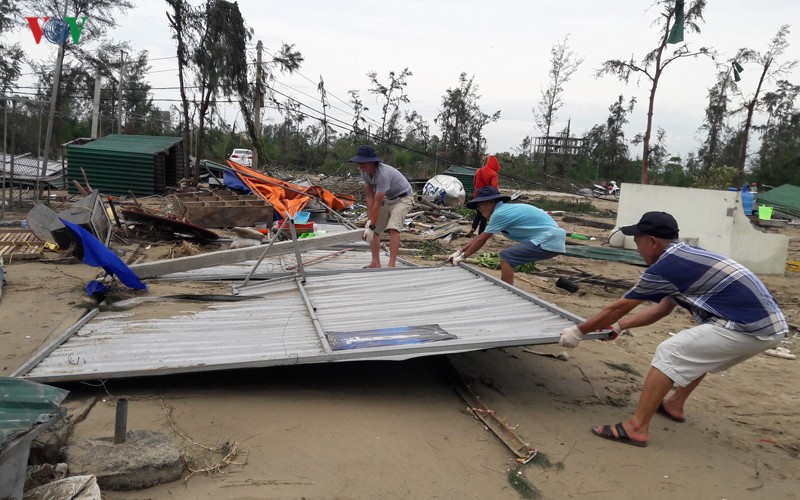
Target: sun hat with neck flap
(487, 193)
(365, 154)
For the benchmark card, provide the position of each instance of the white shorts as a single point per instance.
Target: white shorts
(706, 348)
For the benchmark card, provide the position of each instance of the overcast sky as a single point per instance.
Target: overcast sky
(504, 44)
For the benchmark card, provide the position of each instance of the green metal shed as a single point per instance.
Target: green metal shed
(784, 199)
(117, 164)
(466, 175)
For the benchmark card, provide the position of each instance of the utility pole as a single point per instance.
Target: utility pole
(11, 164)
(119, 99)
(259, 102)
(39, 149)
(5, 136)
(98, 80)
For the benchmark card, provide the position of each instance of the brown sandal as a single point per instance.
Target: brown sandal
(621, 436)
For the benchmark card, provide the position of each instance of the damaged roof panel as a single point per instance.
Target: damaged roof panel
(314, 261)
(277, 326)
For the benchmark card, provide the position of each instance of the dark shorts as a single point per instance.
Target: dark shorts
(526, 252)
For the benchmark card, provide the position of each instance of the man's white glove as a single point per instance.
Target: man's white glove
(570, 337)
(369, 233)
(456, 257)
(617, 331)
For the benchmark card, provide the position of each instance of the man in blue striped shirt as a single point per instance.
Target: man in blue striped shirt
(737, 318)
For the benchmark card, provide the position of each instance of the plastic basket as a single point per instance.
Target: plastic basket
(301, 217)
(764, 213)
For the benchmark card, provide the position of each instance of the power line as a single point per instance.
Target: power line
(312, 82)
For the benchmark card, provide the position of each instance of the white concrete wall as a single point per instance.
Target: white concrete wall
(715, 218)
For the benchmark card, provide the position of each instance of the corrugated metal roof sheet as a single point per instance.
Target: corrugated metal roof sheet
(286, 322)
(25, 405)
(117, 164)
(28, 168)
(146, 144)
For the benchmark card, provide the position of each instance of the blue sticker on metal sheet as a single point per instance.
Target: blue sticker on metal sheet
(385, 337)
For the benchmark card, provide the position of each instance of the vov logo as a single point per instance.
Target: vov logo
(56, 30)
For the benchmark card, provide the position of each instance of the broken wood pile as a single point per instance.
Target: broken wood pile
(433, 222)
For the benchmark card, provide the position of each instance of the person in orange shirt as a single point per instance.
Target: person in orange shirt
(485, 176)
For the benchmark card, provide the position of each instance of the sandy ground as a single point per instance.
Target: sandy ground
(398, 430)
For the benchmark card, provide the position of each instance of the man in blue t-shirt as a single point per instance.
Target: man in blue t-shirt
(538, 234)
(736, 317)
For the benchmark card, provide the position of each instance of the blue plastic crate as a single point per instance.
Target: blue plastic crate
(301, 217)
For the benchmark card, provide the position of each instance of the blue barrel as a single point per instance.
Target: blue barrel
(747, 202)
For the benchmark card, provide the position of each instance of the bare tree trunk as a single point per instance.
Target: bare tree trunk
(204, 103)
(186, 130)
(648, 133)
(751, 107)
(546, 148)
(177, 21)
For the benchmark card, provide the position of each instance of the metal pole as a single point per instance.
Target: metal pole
(121, 421)
(39, 154)
(11, 163)
(5, 133)
(296, 248)
(119, 103)
(263, 254)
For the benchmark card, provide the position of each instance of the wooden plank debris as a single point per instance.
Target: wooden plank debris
(222, 209)
(20, 244)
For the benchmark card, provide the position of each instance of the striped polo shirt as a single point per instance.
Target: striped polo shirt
(714, 288)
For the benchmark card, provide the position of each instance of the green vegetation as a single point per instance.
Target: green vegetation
(430, 248)
(566, 204)
(518, 481)
(467, 213)
(492, 261)
(623, 367)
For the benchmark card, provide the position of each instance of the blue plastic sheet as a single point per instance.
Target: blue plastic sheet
(96, 254)
(234, 183)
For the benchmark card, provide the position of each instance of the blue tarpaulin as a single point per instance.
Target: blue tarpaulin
(96, 254)
(234, 183)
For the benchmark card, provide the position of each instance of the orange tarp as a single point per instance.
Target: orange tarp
(285, 196)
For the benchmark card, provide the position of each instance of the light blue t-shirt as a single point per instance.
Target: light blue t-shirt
(522, 222)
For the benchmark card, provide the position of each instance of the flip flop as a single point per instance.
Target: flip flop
(605, 432)
(661, 410)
